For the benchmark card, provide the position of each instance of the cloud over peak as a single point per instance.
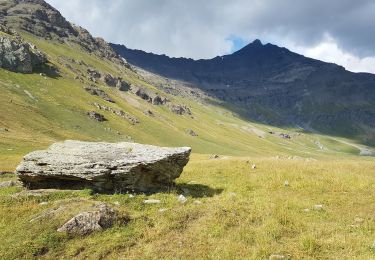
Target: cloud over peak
(339, 31)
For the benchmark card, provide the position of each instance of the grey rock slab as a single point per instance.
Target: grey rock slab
(103, 166)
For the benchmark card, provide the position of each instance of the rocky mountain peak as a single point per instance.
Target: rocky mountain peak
(41, 19)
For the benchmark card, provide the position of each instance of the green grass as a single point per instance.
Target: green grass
(57, 111)
(245, 214)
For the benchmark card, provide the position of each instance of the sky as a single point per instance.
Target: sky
(339, 31)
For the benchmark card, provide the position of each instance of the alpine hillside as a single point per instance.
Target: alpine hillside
(272, 85)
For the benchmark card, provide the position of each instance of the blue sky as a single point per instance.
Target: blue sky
(237, 43)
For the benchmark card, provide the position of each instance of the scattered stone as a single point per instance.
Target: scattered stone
(94, 74)
(320, 146)
(87, 222)
(47, 214)
(318, 207)
(182, 199)
(35, 193)
(253, 166)
(95, 91)
(133, 120)
(19, 56)
(284, 136)
(214, 156)
(96, 116)
(359, 220)
(7, 184)
(103, 166)
(197, 202)
(277, 257)
(4, 130)
(191, 132)
(286, 183)
(123, 86)
(149, 113)
(43, 203)
(149, 95)
(131, 196)
(110, 80)
(306, 210)
(180, 109)
(151, 201)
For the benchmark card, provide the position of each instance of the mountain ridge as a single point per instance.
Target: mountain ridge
(273, 85)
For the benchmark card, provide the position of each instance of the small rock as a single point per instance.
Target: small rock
(162, 210)
(197, 202)
(43, 203)
(359, 220)
(214, 156)
(182, 199)
(191, 132)
(286, 183)
(253, 167)
(373, 244)
(306, 210)
(96, 116)
(232, 194)
(131, 196)
(116, 203)
(6, 184)
(318, 207)
(151, 201)
(87, 222)
(277, 257)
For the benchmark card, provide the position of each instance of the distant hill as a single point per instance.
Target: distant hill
(273, 85)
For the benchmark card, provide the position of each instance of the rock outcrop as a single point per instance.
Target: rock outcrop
(103, 166)
(132, 119)
(41, 19)
(19, 56)
(95, 91)
(180, 109)
(149, 95)
(96, 116)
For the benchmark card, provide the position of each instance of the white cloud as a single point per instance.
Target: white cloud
(329, 51)
(201, 29)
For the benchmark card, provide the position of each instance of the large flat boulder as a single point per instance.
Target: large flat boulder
(103, 166)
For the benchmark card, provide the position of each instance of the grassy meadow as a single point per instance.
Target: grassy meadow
(232, 212)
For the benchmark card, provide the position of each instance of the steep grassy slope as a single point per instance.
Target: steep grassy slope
(276, 86)
(39, 110)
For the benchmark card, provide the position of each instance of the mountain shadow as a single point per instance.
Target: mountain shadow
(272, 85)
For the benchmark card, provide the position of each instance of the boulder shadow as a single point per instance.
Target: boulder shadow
(197, 190)
(47, 70)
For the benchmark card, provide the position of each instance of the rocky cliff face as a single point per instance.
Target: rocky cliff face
(276, 86)
(19, 56)
(41, 19)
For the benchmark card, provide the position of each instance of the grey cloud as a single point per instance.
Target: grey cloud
(200, 29)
